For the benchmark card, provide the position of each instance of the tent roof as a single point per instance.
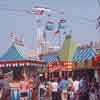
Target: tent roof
(50, 57)
(15, 52)
(84, 53)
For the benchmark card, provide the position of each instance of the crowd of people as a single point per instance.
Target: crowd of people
(58, 88)
(66, 88)
(26, 90)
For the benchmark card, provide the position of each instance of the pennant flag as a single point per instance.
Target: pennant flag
(50, 26)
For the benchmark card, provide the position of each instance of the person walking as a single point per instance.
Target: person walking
(54, 89)
(63, 86)
(24, 88)
(4, 88)
(84, 88)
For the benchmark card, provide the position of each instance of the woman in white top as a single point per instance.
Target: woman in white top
(54, 89)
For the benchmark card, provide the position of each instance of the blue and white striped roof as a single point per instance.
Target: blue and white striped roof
(50, 57)
(15, 52)
(83, 54)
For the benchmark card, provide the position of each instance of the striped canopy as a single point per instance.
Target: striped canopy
(84, 53)
(17, 56)
(15, 52)
(50, 57)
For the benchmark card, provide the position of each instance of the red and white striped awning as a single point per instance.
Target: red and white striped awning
(21, 63)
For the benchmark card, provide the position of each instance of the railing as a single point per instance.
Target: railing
(15, 94)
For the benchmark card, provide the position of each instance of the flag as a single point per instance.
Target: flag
(49, 26)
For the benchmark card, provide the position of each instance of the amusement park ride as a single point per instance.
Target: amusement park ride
(52, 22)
(47, 21)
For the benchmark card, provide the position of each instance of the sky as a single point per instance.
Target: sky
(22, 23)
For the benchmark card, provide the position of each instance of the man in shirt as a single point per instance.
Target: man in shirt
(63, 86)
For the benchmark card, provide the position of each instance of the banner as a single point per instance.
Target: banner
(60, 66)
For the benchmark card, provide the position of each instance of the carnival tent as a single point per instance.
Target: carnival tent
(84, 53)
(16, 52)
(83, 58)
(16, 55)
(16, 59)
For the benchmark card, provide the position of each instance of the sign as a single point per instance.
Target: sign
(60, 66)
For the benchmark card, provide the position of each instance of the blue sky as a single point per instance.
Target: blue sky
(23, 24)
